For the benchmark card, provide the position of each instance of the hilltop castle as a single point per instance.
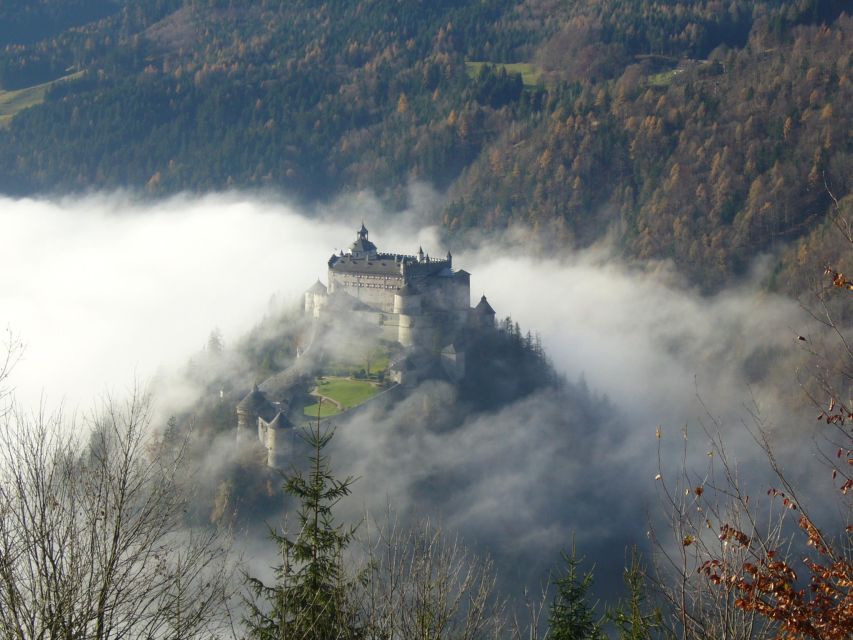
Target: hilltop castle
(418, 302)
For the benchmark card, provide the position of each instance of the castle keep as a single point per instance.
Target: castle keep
(417, 301)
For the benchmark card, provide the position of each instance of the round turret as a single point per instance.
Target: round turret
(277, 440)
(255, 405)
(484, 314)
(407, 300)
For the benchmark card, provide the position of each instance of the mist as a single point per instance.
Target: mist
(108, 289)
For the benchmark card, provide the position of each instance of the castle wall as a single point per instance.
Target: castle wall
(374, 290)
(244, 424)
(417, 331)
(275, 456)
(318, 302)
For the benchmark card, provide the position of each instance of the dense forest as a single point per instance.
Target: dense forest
(699, 131)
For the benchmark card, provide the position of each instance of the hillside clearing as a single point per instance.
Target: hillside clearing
(529, 74)
(11, 102)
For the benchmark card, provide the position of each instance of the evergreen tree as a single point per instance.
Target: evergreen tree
(311, 595)
(571, 616)
(633, 617)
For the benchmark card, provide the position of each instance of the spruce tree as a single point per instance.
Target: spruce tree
(571, 616)
(311, 598)
(634, 617)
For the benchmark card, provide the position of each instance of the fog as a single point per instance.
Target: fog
(107, 289)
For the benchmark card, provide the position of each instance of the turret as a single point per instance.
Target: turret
(484, 315)
(407, 303)
(363, 247)
(314, 298)
(255, 405)
(277, 433)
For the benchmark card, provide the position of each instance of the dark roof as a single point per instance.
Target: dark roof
(484, 307)
(379, 265)
(255, 403)
(363, 245)
(317, 287)
(280, 421)
(363, 230)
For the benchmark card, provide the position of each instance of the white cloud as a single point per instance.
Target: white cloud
(106, 287)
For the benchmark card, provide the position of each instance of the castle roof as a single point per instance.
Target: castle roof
(280, 421)
(255, 403)
(363, 245)
(484, 308)
(317, 287)
(381, 264)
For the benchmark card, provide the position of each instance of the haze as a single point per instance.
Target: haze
(106, 289)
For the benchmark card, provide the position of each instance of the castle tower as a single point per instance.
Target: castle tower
(314, 299)
(362, 247)
(407, 303)
(255, 405)
(277, 433)
(484, 315)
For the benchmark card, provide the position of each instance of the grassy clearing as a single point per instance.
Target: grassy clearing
(11, 102)
(327, 410)
(664, 78)
(529, 74)
(348, 393)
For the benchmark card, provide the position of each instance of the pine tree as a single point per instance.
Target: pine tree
(571, 616)
(634, 618)
(311, 596)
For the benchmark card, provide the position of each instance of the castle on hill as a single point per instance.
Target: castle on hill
(418, 302)
(415, 300)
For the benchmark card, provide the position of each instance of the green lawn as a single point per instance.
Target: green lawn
(349, 393)
(11, 102)
(663, 79)
(327, 410)
(529, 73)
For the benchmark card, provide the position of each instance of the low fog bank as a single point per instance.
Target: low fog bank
(106, 288)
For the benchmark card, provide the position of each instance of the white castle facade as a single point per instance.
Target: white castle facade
(416, 300)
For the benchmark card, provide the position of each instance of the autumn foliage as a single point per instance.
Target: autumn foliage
(820, 604)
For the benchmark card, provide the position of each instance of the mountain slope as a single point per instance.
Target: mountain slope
(699, 133)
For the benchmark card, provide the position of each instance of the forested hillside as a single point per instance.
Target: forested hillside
(701, 131)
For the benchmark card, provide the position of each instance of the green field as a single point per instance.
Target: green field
(327, 410)
(11, 102)
(529, 73)
(346, 392)
(663, 79)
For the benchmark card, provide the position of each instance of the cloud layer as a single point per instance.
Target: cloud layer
(106, 288)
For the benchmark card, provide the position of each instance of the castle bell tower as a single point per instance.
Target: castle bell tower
(363, 247)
